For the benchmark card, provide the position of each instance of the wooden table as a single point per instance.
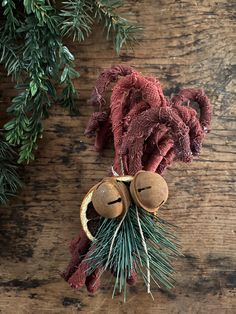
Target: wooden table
(185, 43)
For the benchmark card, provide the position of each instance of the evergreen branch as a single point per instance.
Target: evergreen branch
(10, 57)
(76, 19)
(12, 22)
(24, 130)
(44, 57)
(41, 10)
(9, 52)
(68, 74)
(123, 32)
(30, 106)
(128, 251)
(32, 51)
(9, 179)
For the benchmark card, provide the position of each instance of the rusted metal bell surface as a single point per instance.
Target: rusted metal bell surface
(149, 190)
(111, 198)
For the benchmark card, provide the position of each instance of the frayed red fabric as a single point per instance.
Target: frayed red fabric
(132, 279)
(150, 131)
(78, 248)
(102, 84)
(76, 273)
(82, 277)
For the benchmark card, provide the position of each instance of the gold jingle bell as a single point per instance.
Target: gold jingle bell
(149, 190)
(111, 198)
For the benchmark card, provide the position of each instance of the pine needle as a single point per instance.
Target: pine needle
(127, 251)
(9, 178)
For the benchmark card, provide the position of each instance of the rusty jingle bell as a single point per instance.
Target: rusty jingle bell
(111, 197)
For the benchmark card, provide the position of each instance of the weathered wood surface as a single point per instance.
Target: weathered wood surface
(185, 43)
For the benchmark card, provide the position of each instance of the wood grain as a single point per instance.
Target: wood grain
(184, 43)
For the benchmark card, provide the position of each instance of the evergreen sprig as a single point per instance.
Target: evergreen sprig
(9, 56)
(127, 252)
(12, 21)
(40, 60)
(33, 52)
(9, 179)
(79, 17)
(120, 28)
(77, 20)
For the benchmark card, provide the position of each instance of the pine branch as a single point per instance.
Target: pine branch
(128, 251)
(10, 56)
(68, 74)
(9, 51)
(9, 179)
(76, 19)
(122, 31)
(41, 10)
(12, 22)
